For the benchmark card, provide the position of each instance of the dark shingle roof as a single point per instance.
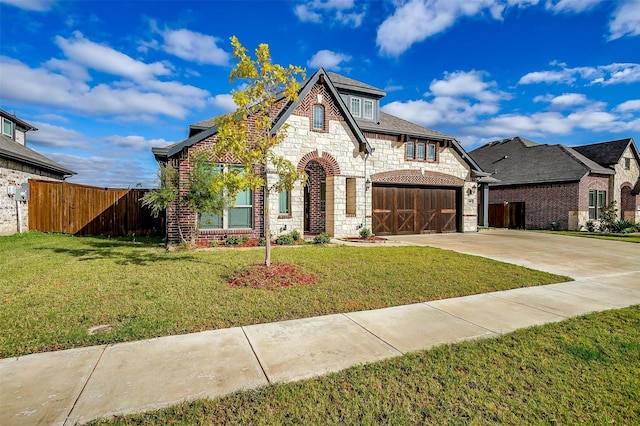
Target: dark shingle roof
(391, 124)
(605, 153)
(518, 161)
(346, 83)
(12, 150)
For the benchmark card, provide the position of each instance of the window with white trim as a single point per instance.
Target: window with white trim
(318, 117)
(237, 216)
(367, 109)
(355, 107)
(627, 163)
(597, 201)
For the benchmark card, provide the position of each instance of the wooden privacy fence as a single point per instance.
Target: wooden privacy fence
(87, 210)
(507, 215)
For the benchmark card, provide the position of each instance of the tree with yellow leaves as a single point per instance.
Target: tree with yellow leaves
(248, 135)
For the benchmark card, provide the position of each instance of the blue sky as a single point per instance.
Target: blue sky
(104, 81)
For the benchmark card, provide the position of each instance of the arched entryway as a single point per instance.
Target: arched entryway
(320, 169)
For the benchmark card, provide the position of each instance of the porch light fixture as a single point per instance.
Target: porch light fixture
(367, 184)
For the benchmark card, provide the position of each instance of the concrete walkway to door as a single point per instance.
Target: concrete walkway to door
(576, 257)
(78, 385)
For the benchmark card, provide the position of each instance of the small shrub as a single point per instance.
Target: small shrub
(214, 244)
(622, 226)
(232, 240)
(365, 233)
(321, 239)
(245, 239)
(284, 240)
(262, 241)
(591, 226)
(295, 234)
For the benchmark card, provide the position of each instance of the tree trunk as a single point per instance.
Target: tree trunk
(267, 229)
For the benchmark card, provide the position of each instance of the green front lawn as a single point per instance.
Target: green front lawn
(53, 288)
(582, 371)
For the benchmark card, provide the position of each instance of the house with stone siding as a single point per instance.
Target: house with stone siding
(554, 186)
(18, 164)
(365, 169)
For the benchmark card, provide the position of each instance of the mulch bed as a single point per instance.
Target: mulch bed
(278, 275)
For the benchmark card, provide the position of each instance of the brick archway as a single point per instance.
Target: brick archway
(327, 161)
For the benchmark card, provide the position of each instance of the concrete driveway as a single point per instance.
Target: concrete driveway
(576, 257)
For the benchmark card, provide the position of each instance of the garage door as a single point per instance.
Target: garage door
(414, 210)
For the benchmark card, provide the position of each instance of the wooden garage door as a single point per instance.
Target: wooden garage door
(413, 210)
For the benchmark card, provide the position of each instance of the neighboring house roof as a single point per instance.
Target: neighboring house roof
(519, 161)
(15, 151)
(26, 126)
(608, 154)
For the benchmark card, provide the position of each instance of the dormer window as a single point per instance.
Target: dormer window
(367, 111)
(355, 107)
(318, 117)
(7, 127)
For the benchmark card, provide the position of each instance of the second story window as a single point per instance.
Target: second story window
(410, 150)
(318, 117)
(355, 107)
(7, 127)
(367, 111)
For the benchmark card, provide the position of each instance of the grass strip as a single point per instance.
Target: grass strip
(584, 370)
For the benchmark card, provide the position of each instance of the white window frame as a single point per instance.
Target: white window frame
(224, 218)
(366, 102)
(318, 122)
(358, 102)
(432, 154)
(597, 201)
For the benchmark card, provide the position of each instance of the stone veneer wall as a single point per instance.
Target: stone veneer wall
(622, 178)
(15, 174)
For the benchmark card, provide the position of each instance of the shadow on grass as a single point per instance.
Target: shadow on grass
(121, 251)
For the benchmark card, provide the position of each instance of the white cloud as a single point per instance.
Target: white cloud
(616, 73)
(567, 100)
(343, 12)
(192, 46)
(466, 84)
(118, 170)
(106, 59)
(460, 98)
(625, 20)
(628, 106)
(417, 20)
(136, 142)
(224, 102)
(34, 5)
(571, 6)
(128, 99)
(49, 135)
(328, 59)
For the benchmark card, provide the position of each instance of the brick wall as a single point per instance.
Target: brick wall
(543, 203)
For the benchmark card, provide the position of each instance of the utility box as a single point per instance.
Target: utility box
(22, 192)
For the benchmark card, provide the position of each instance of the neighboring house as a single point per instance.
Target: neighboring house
(554, 186)
(18, 164)
(365, 168)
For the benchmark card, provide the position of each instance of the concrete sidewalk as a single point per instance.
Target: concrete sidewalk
(78, 385)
